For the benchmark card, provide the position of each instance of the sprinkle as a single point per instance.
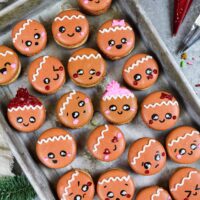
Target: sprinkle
(197, 85)
(182, 63)
(184, 56)
(189, 63)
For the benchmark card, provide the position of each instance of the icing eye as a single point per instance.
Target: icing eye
(124, 40)
(193, 146)
(85, 188)
(92, 71)
(32, 119)
(37, 36)
(111, 43)
(63, 153)
(110, 194)
(28, 43)
(77, 197)
(137, 77)
(147, 165)
(75, 115)
(19, 120)
(154, 117)
(157, 157)
(62, 29)
(78, 29)
(46, 81)
(123, 193)
(126, 107)
(182, 151)
(113, 108)
(148, 71)
(81, 103)
(51, 155)
(7, 63)
(168, 116)
(80, 72)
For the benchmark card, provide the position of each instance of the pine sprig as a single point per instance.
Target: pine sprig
(16, 188)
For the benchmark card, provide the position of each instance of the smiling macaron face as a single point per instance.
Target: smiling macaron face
(160, 110)
(56, 148)
(76, 185)
(46, 74)
(74, 109)
(70, 28)
(147, 156)
(185, 184)
(9, 65)
(183, 145)
(29, 37)
(86, 67)
(25, 112)
(106, 143)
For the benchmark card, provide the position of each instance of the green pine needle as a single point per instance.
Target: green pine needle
(16, 188)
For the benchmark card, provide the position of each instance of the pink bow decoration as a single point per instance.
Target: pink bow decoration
(118, 22)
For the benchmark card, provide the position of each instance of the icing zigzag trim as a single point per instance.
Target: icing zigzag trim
(117, 28)
(69, 17)
(157, 194)
(182, 138)
(44, 59)
(117, 178)
(25, 107)
(85, 57)
(66, 102)
(55, 138)
(183, 181)
(142, 151)
(76, 173)
(22, 29)
(6, 53)
(100, 138)
(166, 103)
(118, 96)
(137, 63)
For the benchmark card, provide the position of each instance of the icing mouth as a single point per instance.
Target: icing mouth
(119, 46)
(54, 161)
(90, 78)
(26, 124)
(71, 35)
(57, 77)
(162, 121)
(120, 113)
(115, 148)
(190, 153)
(47, 87)
(157, 166)
(98, 1)
(3, 71)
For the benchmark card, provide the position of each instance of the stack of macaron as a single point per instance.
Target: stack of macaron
(86, 67)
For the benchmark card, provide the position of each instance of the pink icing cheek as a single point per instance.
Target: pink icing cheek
(108, 48)
(46, 159)
(179, 156)
(13, 65)
(86, 100)
(58, 34)
(85, 1)
(26, 49)
(43, 34)
(82, 33)
(132, 109)
(198, 146)
(107, 112)
(69, 154)
(75, 121)
(106, 157)
(129, 43)
(119, 135)
(5, 72)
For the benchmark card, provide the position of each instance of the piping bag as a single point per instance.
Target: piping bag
(191, 37)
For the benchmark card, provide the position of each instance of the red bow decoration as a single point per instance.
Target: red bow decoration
(181, 8)
(166, 96)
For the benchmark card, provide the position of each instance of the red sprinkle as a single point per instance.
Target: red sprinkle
(89, 183)
(75, 75)
(135, 83)
(128, 196)
(197, 85)
(174, 117)
(47, 87)
(155, 71)
(163, 154)
(98, 73)
(61, 68)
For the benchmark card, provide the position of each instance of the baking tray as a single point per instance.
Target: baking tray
(147, 40)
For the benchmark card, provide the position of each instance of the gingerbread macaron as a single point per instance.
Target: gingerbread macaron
(70, 29)
(46, 74)
(95, 7)
(29, 37)
(74, 109)
(86, 67)
(147, 156)
(115, 184)
(25, 112)
(160, 110)
(140, 71)
(183, 145)
(185, 184)
(153, 193)
(116, 38)
(118, 104)
(10, 65)
(106, 143)
(76, 185)
(56, 148)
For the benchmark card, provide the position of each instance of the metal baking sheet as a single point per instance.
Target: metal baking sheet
(147, 40)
